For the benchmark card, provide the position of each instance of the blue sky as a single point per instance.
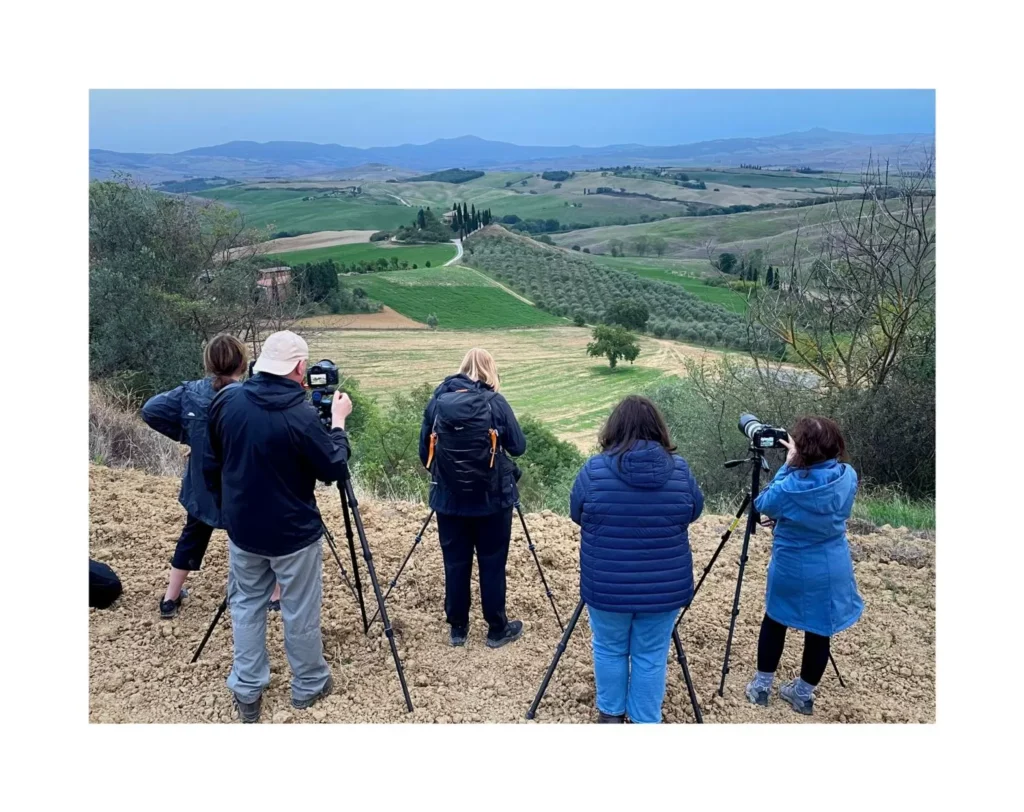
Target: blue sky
(175, 120)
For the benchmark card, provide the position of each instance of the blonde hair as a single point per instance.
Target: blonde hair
(479, 365)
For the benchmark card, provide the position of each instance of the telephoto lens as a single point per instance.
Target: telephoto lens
(750, 425)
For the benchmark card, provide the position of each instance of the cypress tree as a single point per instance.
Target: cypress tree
(421, 219)
(769, 279)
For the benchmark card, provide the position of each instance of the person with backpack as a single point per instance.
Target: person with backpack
(181, 414)
(468, 432)
(634, 502)
(811, 585)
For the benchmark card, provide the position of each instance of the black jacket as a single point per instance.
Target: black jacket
(267, 449)
(510, 437)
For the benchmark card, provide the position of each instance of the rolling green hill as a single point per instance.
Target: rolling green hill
(685, 273)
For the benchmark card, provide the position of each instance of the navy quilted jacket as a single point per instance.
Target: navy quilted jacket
(634, 510)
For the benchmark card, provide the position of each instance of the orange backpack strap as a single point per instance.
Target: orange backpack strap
(494, 446)
(433, 443)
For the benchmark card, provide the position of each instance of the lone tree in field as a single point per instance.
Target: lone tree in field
(432, 321)
(579, 320)
(614, 343)
(629, 313)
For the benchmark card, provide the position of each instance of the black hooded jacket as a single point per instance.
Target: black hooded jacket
(266, 451)
(511, 440)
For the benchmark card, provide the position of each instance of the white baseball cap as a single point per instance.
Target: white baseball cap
(281, 353)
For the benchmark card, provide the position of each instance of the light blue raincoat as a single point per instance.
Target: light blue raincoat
(810, 578)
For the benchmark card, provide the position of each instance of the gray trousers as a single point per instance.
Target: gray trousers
(250, 584)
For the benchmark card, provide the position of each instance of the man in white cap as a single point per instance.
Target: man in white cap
(267, 450)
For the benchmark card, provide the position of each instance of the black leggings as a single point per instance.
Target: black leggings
(191, 547)
(772, 641)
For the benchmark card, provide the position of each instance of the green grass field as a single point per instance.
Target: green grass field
(545, 372)
(284, 210)
(675, 271)
(459, 297)
(371, 252)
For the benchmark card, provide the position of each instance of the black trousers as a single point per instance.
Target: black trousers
(192, 544)
(773, 640)
(490, 537)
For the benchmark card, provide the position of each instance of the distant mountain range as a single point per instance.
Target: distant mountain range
(819, 148)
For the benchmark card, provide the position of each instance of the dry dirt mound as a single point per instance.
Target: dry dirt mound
(139, 667)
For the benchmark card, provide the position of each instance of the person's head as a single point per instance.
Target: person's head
(635, 418)
(225, 358)
(817, 439)
(284, 354)
(479, 366)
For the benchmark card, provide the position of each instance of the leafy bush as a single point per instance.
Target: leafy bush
(579, 320)
(380, 236)
(549, 468)
(432, 321)
(629, 313)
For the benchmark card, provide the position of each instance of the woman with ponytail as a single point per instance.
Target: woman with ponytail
(181, 415)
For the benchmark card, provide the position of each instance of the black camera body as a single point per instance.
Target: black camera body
(322, 379)
(762, 436)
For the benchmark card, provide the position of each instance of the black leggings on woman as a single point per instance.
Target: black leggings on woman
(772, 641)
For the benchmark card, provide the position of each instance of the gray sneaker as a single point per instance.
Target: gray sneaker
(800, 705)
(301, 704)
(248, 712)
(756, 694)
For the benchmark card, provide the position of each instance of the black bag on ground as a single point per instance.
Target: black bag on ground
(464, 444)
(104, 585)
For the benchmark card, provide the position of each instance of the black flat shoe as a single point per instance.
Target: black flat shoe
(513, 631)
(169, 609)
(607, 719)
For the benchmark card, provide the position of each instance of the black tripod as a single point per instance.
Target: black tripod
(357, 590)
(348, 498)
(757, 464)
(529, 543)
(680, 656)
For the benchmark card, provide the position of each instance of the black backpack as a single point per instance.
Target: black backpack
(464, 443)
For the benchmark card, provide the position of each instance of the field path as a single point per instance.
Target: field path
(318, 239)
(458, 255)
(494, 282)
(401, 200)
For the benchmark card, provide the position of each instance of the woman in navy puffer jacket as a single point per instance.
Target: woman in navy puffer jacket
(634, 502)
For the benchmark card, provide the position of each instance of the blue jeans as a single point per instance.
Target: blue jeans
(251, 580)
(630, 661)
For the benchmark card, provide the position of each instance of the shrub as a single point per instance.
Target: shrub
(575, 248)
(432, 321)
(119, 438)
(579, 320)
(586, 250)
(380, 236)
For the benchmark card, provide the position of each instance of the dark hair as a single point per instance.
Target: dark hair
(635, 418)
(224, 357)
(817, 439)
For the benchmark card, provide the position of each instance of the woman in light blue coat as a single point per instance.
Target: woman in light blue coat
(811, 585)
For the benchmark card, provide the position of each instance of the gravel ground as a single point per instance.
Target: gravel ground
(139, 668)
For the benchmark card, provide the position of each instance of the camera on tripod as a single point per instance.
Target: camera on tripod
(322, 379)
(762, 436)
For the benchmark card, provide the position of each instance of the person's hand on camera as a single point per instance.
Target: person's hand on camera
(341, 407)
(791, 450)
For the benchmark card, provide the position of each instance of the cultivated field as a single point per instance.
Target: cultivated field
(386, 319)
(139, 668)
(371, 252)
(544, 372)
(461, 298)
(311, 206)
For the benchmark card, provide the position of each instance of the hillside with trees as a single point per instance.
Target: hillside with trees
(567, 283)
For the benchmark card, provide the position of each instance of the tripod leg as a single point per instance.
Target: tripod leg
(352, 551)
(725, 537)
(554, 662)
(213, 625)
(832, 660)
(681, 656)
(337, 558)
(543, 580)
(349, 494)
(401, 569)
